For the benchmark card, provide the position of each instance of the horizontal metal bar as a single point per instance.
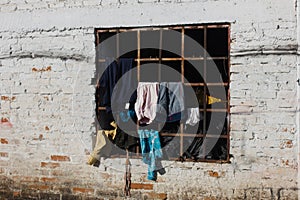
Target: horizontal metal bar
(176, 59)
(207, 84)
(218, 26)
(201, 160)
(176, 159)
(147, 28)
(214, 110)
(194, 135)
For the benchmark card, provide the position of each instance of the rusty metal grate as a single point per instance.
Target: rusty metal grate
(215, 39)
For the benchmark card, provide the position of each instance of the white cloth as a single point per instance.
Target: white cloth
(145, 106)
(193, 116)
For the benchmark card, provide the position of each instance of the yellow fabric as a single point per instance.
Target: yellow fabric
(102, 146)
(211, 100)
(111, 133)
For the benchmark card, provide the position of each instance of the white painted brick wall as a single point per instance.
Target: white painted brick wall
(52, 111)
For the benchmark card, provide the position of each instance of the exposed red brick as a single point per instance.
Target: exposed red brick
(41, 137)
(4, 120)
(3, 154)
(49, 165)
(83, 190)
(41, 70)
(48, 68)
(4, 98)
(153, 195)
(46, 98)
(26, 178)
(3, 141)
(47, 128)
(285, 162)
(39, 187)
(16, 194)
(213, 174)
(289, 144)
(60, 158)
(47, 179)
(142, 186)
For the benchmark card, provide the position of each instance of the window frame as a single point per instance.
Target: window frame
(205, 59)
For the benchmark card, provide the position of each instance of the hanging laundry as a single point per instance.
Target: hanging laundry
(145, 106)
(151, 152)
(170, 102)
(104, 119)
(212, 100)
(102, 146)
(125, 87)
(193, 116)
(107, 82)
(104, 90)
(114, 72)
(209, 99)
(125, 116)
(126, 140)
(194, 149)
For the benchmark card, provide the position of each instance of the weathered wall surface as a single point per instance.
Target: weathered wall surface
(47, 63)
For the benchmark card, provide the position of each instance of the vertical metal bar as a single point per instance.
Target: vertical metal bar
(181, 139)
(205, 89)
(182, 80)
(160, 54)
(182, 55)
(138, 55)
(228, 95)
(97, 77)
(98, 65)
(118, 45)
(138, 73)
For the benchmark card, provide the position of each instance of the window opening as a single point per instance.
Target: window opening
(193, 66)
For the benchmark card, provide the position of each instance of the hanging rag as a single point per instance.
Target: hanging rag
(209, 99)
(126, 140)
(193, 116)
(212, 100)
(108, 81)
(104, 119)
(125, 116)
(102, 146)
(170, 104)
(145, 106)
(151, 151)
(124, 90)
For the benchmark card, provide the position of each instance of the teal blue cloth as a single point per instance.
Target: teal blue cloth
(126, 116)
(151, 151)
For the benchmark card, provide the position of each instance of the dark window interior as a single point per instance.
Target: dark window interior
(149, 49)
